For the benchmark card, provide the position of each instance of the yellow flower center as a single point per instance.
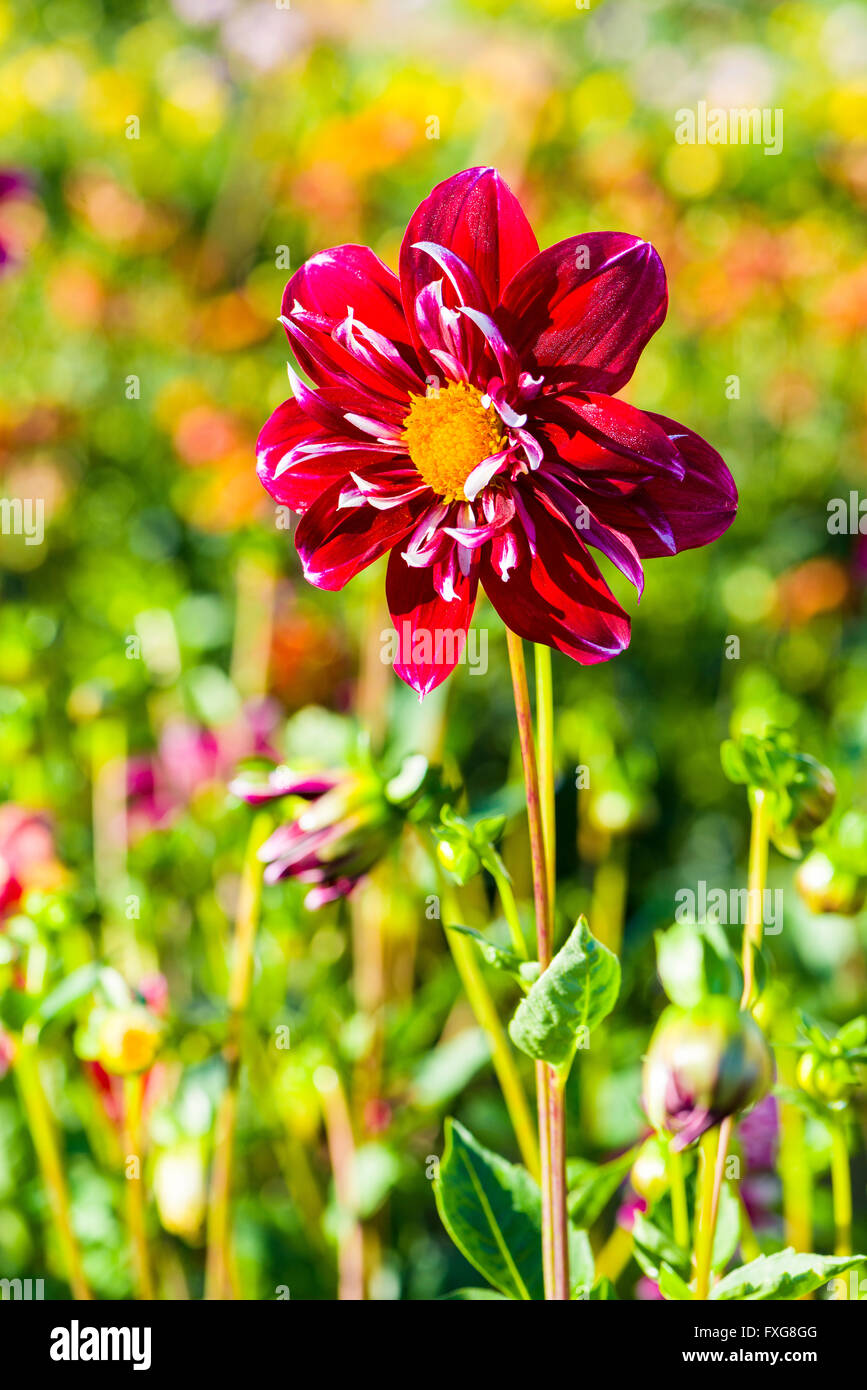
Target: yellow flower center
(448, 433)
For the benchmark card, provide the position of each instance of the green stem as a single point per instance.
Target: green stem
(467, 963)
(497, 870)
(45, 1143)
(758, 873)
(704, 1212)
(246, 923)
(677, 1188)
(841, 1187)
(549, 1085)
(545, 738)
(133, 1092)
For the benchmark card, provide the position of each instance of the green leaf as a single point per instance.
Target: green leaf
(592, 1185)
(672, 1287)
(785, 1275)
(603, 1291)
(444, 1072)
(500, 957)
(577, 991)
(492, 1211)
(473, 1295)
(582, 1268)
(728, 1228)
(653, 1248)
(696, 959)
(67, 994)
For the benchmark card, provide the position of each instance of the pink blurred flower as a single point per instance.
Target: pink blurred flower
(27, 857)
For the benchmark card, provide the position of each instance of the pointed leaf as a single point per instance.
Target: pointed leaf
(577, 991)
(500, 957)
(492, 1211)
(785, 1275)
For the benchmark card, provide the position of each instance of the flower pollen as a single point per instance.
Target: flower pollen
(449, 432)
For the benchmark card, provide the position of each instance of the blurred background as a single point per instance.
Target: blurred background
(165, 167)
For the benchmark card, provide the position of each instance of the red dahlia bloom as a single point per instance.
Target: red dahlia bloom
(464, 419)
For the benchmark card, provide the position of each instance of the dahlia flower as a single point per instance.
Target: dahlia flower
(351, 819)
(463, 418)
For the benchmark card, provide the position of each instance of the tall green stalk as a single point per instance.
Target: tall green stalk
(549, 1086)
(133, 1094)
(841, 1186)
(217, 1266)
(704, 1211)
(42, 1132)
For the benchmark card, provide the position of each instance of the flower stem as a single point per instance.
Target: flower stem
(133, 1093)
(549, 1085)
(545, 737)
(704, 1211)
(467, 965)
(758, 872)
(841, 1188)
(677, 1189)
(246, 922)
(341, 1152)
(501, 878)
(45, 1143)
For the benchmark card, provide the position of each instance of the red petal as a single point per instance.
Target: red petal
(319, 457)
(607, 435)
(431, 631)
(343, 282)
(558, 596)
(335, 542)
(581, 312)
(476, 215)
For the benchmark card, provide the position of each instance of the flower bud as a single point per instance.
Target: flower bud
(649, 1174)
(813, 792)
(827, 887)
(128, 1040)
(180, 1189)
(703, 1064)
(830, 1080)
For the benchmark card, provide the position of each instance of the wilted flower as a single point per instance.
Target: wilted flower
(464, 420)
(703, 1064)
(351, 819)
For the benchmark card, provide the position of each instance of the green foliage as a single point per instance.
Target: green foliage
(571, 998)
(492, 1211)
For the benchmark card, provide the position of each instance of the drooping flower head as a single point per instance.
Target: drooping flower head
(350, 819)
(464, 419)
